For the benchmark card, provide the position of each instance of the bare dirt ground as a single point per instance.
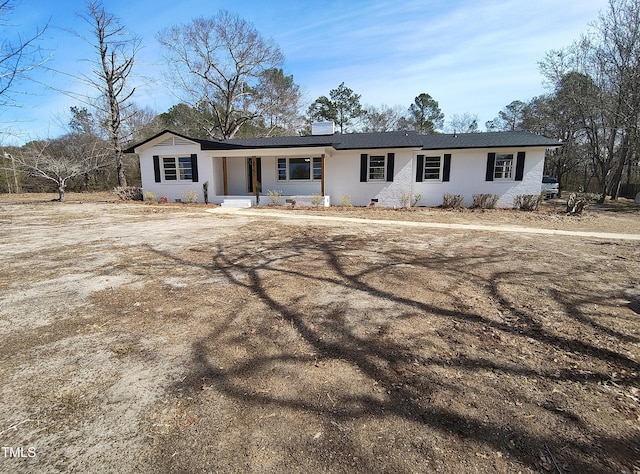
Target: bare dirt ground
(161, 338)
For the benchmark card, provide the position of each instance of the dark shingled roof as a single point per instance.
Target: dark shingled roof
(514, 139)
(359, 141)
(347, 141)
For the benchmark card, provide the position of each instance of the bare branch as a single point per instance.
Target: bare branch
(17, 58)
(218, 61)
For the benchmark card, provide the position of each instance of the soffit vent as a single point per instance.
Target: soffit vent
(175, 141)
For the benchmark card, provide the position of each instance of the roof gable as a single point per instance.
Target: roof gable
(172, 139)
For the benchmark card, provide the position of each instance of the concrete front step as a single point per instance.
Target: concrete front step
(240, 203)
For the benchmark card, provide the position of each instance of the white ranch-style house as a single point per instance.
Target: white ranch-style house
(382, 167)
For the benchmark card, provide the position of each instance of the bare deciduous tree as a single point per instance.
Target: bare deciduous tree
(598, 79)
(216, 63)
(63, 159)
(116, 49)
(463, 123)
(144, 123)
(383, 118)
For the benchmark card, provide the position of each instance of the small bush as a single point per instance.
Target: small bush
(346, 201)
(576, 203)
(452, 201)
(190, 197)
(150, 197)
(128, 193)
(485, 201)
(415, 199)
(590, 197)
(205, 191)
(527, 202)
(163, 199)
(316, 199)
(405, 199)
(275, 196)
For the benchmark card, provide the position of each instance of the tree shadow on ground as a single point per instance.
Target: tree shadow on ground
(356, 296)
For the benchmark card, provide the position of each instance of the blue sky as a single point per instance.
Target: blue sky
(470, 56)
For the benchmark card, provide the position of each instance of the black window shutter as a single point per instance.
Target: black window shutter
(156, 168)
(420, 169)
(520, 166)
(194, 168)
(363, 168)
(491, 163)
(391, 158)
(446, 167)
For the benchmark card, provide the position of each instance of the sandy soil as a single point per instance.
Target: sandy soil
(162, 338)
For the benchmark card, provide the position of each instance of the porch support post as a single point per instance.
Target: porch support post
(225, 183)
(322, 175)
(254, 176)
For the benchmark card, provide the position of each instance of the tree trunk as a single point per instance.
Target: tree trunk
(122, 179)
(602, 181)
(559, 176)
(617, 175)
(61, 189)
(15, 176)
(603, 190)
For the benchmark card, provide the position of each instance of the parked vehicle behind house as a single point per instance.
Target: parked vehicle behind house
(550, 187)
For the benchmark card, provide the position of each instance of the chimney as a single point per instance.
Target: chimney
(322, 128)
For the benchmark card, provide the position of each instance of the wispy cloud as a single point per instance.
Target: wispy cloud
(474, 56)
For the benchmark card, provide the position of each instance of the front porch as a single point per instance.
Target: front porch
(241, 181)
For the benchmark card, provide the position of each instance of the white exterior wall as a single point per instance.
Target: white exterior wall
(531, 182)
(467, 177)
(216, 185)
(468, 172)
(176, 190)
(236, 177)
(342, 176)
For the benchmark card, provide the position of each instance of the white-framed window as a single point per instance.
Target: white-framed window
(432, 167)
(299, 169)
(377, 167)
(503, 168)
(177, 168)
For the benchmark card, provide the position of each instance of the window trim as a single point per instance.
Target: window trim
(440, 168)
(389, 168)
(176, 161)
(383, 168)
(313, 161)
(511, 167)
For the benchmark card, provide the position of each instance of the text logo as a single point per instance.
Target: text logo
(18, 452)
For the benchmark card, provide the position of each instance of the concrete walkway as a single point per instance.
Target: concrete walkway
(425, 225)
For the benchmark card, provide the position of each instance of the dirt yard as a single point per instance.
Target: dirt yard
(143, 338)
